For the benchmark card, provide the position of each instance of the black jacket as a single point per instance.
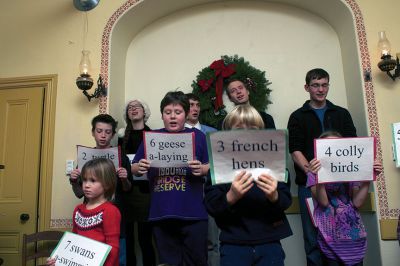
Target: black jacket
(253, 219)
(304, 126)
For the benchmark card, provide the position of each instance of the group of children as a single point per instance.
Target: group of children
(250, 214)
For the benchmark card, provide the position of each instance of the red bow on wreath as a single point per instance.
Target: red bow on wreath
(221, 71)
(205, 84)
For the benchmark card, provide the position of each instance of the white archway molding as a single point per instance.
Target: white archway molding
(343, 15)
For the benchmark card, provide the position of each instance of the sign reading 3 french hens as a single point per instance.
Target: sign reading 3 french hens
(255, 151)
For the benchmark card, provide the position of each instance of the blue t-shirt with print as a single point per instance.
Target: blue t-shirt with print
(175, 192)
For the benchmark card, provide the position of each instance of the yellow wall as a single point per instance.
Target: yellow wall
(380, 17)
(46, 37)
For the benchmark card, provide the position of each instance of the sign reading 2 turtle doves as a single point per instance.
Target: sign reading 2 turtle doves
(345, 159)
(169, 149)
(86, 154)
(255, 151)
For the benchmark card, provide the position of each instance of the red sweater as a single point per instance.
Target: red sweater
(101, 224)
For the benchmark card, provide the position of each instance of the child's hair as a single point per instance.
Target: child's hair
(175, 97)
(316, 73)
(244, 114)
(103, 169)
(193, 97)
(330, 133)
(106, 119)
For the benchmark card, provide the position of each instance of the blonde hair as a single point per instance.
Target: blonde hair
(104, 170)
(243, 114)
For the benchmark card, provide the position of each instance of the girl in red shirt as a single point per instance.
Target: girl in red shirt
(97, 218)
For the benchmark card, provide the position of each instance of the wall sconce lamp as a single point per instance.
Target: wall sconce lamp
(387, 64)
(85, 82)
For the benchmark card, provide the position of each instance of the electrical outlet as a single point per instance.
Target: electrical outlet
(69, 166)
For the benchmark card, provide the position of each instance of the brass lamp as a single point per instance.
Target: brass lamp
(85, 82)
(387, 64)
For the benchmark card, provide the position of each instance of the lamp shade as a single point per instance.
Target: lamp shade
(383, 44)
(85, 5)
(85, 65)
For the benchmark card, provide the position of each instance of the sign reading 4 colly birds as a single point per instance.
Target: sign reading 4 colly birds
(345, 159)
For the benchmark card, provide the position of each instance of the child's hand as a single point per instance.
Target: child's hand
(144, 166)
(269, 185)
(240, 186)
(314, 166)
(378, 167)
(75, 175)
(122, 173)
(198, 169)
(50, 262)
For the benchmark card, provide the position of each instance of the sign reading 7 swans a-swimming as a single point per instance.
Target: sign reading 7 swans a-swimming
(255, 151)
(78, 250)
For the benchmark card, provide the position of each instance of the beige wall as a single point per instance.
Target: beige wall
(170, 52)
(377, 18)
(45, 37)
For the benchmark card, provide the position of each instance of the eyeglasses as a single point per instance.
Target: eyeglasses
(134, 107)
(317, 85)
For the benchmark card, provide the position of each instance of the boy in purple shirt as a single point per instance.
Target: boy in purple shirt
(177, 212)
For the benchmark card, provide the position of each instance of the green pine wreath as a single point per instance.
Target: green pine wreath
(222, 71)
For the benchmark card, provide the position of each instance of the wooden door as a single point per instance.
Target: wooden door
(20, 145)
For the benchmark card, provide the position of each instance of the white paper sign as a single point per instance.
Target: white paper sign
(396, 142)
(86, 154)
(255, 151)
(78, 250)
(142, 177)
(345, 159)
(169, 149)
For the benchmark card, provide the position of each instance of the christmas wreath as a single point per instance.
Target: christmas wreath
(212, 81)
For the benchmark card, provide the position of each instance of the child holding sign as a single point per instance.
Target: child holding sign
(341, 237)
(250, 213)
(98, 218)
(176, 209)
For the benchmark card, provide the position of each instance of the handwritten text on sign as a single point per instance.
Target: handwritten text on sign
(255, 151)
(345, 159)
(86, 154)
(74, 249)
(169, 149)
(396, 142)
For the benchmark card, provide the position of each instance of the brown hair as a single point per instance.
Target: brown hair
(104, 170)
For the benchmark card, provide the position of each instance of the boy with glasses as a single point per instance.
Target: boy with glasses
(316, 116)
